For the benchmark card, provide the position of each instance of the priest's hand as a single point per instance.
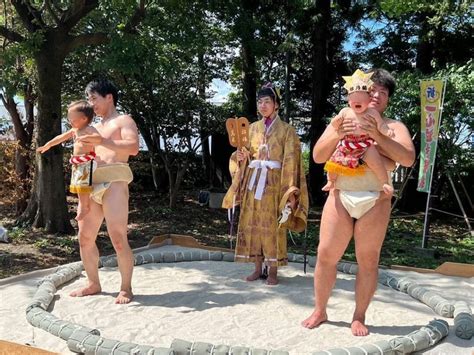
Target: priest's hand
(293, 200)
(242, 154)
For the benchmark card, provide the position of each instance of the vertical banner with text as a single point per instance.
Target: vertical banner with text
(432, 92)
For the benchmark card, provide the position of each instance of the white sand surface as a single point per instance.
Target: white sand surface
(209, 301)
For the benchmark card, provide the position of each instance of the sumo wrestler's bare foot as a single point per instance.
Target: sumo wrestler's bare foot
(358, 328)
(329, 186)
(91, 289)
(315, 320)
(124, 296)
(388, 189)
(82, 210)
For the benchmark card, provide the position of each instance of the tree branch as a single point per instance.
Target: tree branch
(11, 35)
(25, 15)
(10, 105)
(78, 10)
(48, 7)
(87, 39)
(137, 17)
(58, 7)
(37, 14)
(29, 102)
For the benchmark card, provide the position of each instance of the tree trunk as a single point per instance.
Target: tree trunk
(47, 207)
(29, 103)
(23, 134)
(206, 154)
(175, 180)
(152, 141)
(288, 60)
(246, 28)
(172, 192)
(176, 185)
(286, 116)
(424, 48)
(23, 162)
(21, 170)
(249, 83)
(154, 170)
(221, 152)
(320, 35)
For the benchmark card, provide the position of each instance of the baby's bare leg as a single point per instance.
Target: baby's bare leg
(331, 182)
(375, 162)
(83, 207)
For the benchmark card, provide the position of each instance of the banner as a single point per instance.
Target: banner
(432, 94)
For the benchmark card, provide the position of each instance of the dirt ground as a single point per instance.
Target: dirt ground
(149, 216)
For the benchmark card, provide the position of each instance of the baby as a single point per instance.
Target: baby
(80, 115)
(358, 148)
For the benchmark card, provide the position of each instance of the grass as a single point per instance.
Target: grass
(448, 242)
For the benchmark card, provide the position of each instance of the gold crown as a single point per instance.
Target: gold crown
(359, 81)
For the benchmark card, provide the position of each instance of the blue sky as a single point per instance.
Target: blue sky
(221, 89)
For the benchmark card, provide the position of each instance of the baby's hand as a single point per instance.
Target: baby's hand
(42, 149)
(390, 133)
(347, 127)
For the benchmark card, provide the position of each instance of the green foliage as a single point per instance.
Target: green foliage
(400, 35)
(306, 156)
(16, 234)
(42, 243)
(283, 40)
(164, 72)
(57, 245)
(449, 241)
(398, 8)
(165, 65)
(457, 117)
(17, 67)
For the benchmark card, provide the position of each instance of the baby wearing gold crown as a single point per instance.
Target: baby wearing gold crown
(356, 150)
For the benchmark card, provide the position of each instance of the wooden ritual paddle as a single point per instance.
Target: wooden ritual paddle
(238, 131)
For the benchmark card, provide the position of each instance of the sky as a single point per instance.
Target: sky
(221, 89)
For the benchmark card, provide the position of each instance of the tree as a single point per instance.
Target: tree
(329, 23)
(320, 88)
(418, 40)
(16, 79)
(454, 151)
(53, 31)
(23, 129)
(296, 45)
(421, 34)
(163, 73)
(17, 82)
